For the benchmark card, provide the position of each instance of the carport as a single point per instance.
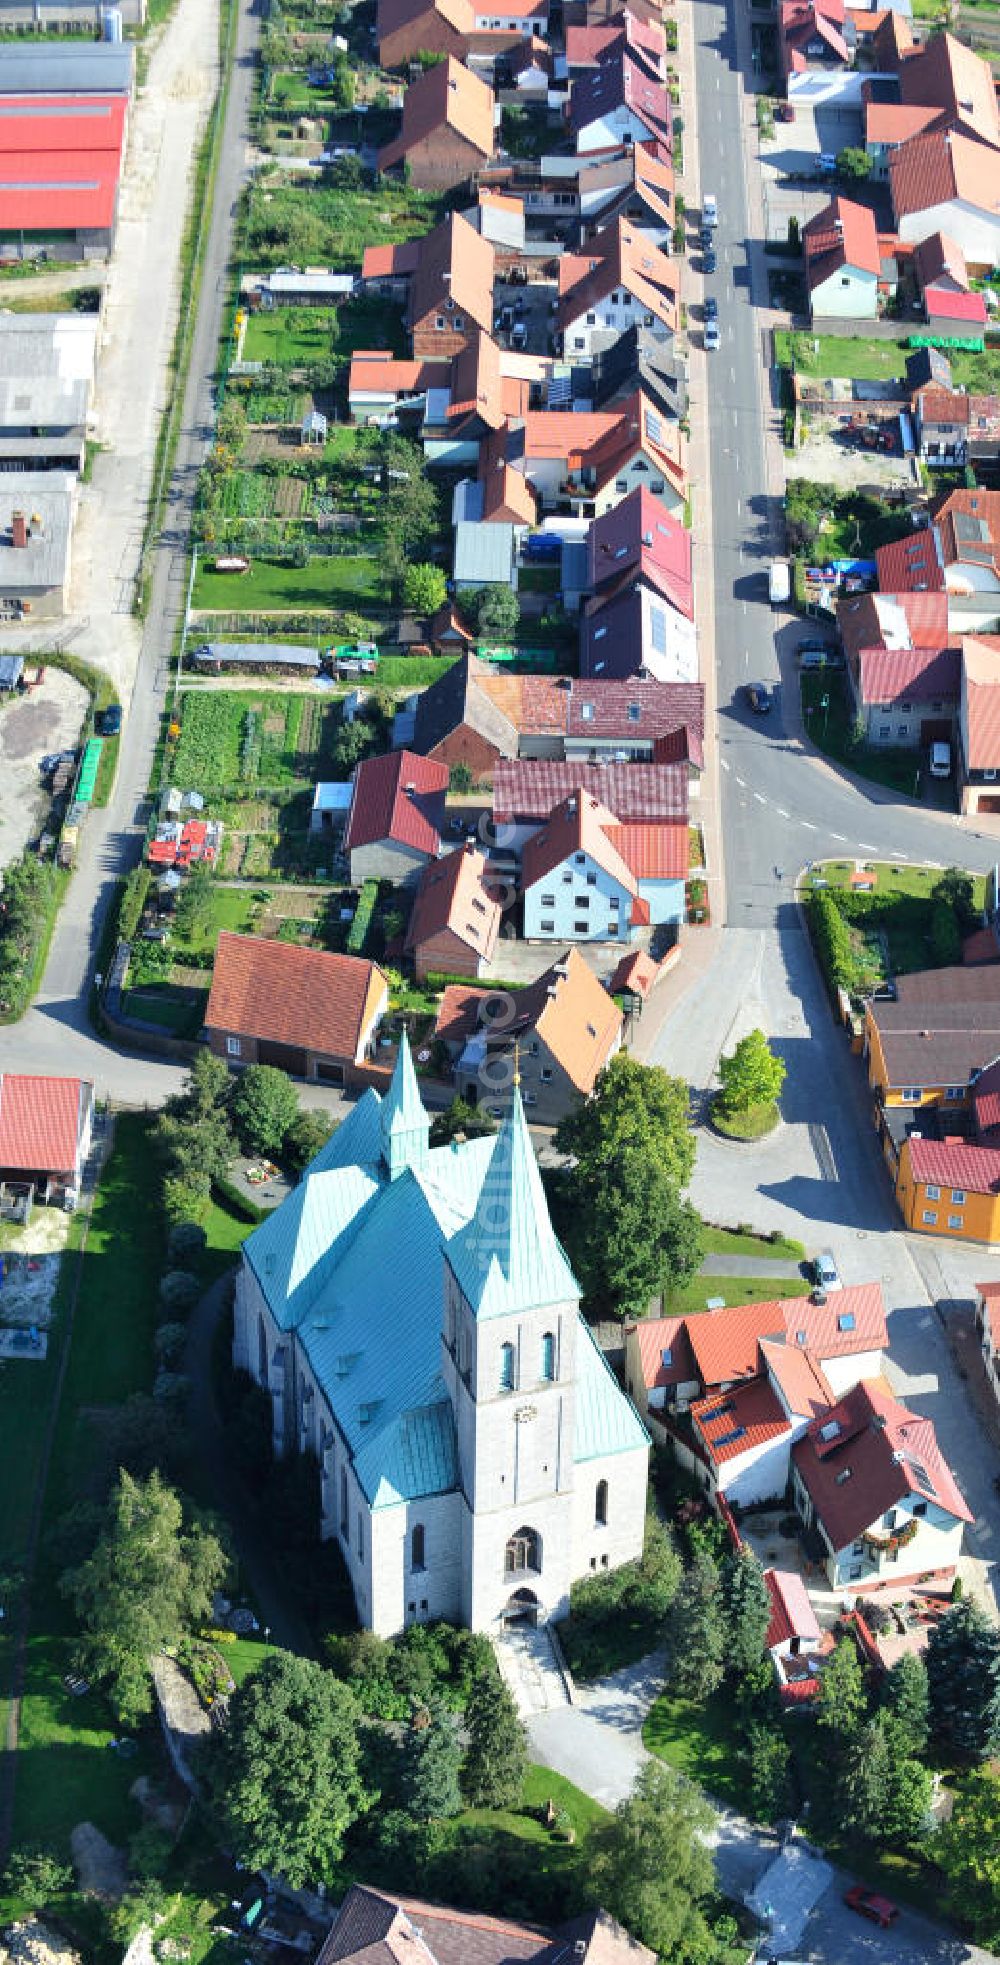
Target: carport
(784, 1896)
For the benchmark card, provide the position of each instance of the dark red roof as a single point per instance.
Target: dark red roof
(530, 789)
(880, 1453)
(302, 997)
(400, 797)
(894, 675)
(955, 1163)
(985, 1094)
(611, 707)
(911, 565)
(40, 1122)
(640, 536)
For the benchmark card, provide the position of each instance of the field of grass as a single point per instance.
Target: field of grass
(832, 731)
(325, 582)
(289, 337)
(892, 879)
(733, 1241)
(689, 1298)
(699, 1741)
(232, 907)
(856, 357)
(329, 224)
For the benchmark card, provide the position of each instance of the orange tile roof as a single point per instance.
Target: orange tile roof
(620, 256)
(476, 383)
(453, 895)
(455, 265)
(447, 97)
(959, 82)
(726, 1343)
(658, 852)
(637, 974)
(568, 1008)
(665, 1355)
(381, 262)
(800, 1381)
(302, 997)
(842, 234)
(506, 491)
(894, 122)
(373, 373)
(581, 824)
(734, 1423)
(981, 693)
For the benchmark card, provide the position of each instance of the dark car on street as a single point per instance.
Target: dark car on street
(759, 698)
(868, 1903)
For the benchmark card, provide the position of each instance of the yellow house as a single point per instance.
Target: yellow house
(949, 1187)
(930, 1042)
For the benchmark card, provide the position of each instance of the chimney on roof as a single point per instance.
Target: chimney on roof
(19, 529)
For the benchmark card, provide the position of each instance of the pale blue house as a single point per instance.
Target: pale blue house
(585, 877)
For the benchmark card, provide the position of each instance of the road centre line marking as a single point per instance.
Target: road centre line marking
(807, 825)
(724, 761)
(759, 796)
(742, 782)
(782, 814)
(865, 846)
(840, 837)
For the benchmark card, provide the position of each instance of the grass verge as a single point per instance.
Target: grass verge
(829, 721)
(699, 1741)
(191, 264)
(689, 1298)
(740, 1241)
(755, 1123)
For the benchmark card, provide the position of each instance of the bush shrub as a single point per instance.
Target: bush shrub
(357, 934)
(179, 1290)
(185, 1242)
(168, 1343)
(830, 939)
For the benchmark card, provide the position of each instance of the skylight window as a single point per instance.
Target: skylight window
(846, 1320)
(666, 1356)
(727, 1439)
(830, 1430)
(844, 1475)
(801, 1337)
(654, 426)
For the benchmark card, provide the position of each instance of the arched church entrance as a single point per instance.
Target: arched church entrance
(521, 1611)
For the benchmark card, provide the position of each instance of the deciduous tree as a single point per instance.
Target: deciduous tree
(264, 1106)
(750, 1075)
(425, 588)
(634, 1105)
(149, 1578)
(968, 1852)
(651, 1866)
(285, 1771)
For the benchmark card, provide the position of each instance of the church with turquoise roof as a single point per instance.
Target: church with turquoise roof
(416, 1325)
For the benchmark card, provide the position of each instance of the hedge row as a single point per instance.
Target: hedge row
(358, 932)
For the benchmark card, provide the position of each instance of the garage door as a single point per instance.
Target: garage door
(329, 1074)
(287, 1057)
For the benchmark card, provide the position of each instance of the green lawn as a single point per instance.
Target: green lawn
(66, 1771)
(329, 582)
(290, 337)
(699, 1741)
(693, 1296)
(182, 1014)
(232, 908)
(855, 357)
(736, 1241)
(892, 879)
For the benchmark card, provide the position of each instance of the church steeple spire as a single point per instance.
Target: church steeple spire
(508, 1257)
(404, 1123)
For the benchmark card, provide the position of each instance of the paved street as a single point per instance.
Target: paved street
(598, 1745)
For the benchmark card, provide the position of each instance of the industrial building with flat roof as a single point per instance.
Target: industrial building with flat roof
(36, 524)
(46, 378)
(67, 68)
(60, 161)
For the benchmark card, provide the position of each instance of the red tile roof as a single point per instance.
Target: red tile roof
(895, 675)
(377, 374)
(530, 789)
(981, 694)
(400, 797)
(792, 1614)
(954, 1163)
(726, 1343)
(454, 265)
(579, 824)
(640, 535)
(887, 1454)
(371, 1928)
(943, 305)
(800, 1382)
(40, 1122)
(620, 256)
(453, 895)
(568, 1009)
(621, 82)
(748, 1416)
(842, 235)
(384, 262)
(301, 997)
(911, 565)
(934, 169)
(984, 1097)
(850, 1321)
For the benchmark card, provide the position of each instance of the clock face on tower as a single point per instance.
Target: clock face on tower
(523, 1415)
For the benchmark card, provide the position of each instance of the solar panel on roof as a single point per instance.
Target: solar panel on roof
(726, 1439)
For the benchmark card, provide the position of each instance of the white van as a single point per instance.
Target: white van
(940, 760)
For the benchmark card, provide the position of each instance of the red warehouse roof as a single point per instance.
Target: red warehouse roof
(58, 191)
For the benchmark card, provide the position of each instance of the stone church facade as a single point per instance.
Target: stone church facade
(416, 1325)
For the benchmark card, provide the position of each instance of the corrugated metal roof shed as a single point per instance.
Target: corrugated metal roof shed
(67, 68)
(484, 554)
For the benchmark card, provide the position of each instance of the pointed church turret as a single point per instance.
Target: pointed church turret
(405, 1125)
(508, 1257)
